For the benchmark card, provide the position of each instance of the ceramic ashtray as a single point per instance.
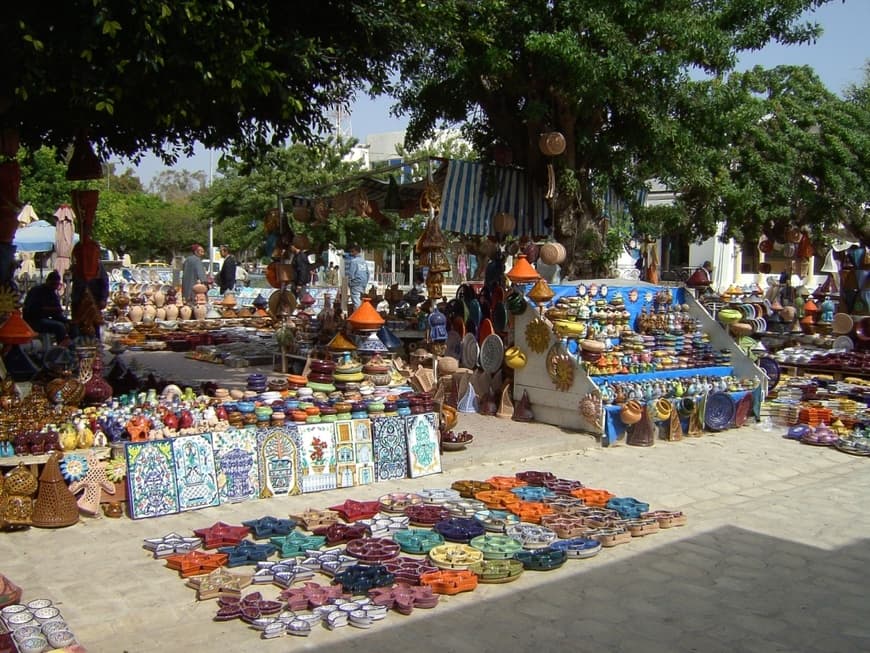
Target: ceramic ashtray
(38, 604)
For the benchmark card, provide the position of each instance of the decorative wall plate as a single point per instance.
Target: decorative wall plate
(454, 345)
(771, 368)
(602, 291)
(581, 290)
(470, 351)
(538, 335)
(719, 411)
(492, 353)
(560, 367)
(485, 329)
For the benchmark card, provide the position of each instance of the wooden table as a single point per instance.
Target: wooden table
(33, 462)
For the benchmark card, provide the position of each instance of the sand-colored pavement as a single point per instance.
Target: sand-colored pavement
(775, 557)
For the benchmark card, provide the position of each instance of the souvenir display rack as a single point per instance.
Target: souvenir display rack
(580, 400)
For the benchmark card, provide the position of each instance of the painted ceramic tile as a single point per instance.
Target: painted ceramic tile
(195, 473)
(235, 455)
(279, 461)
(353, 452)
(390, 448)
(151, 489)
(318, 457)
(424, 456)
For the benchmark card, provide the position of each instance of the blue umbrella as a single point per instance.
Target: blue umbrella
(38, 236)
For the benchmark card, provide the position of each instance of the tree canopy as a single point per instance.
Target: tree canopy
(156, 75)
(631, 84)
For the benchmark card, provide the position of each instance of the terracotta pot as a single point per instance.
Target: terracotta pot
(631, 412)
(159, 298)
(504, 223)
(171, 312)
(200, 311)
(135, 314)
(200, 288)
(663, 409)
(185, 312)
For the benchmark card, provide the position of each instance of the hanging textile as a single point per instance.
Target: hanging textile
(473, 193)
(64, 238)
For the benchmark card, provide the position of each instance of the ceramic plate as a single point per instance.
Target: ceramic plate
(771, 368)
(492, 353)
(454, 345)
(485, 330)
(470, 351)
(843, 342)
(593, 290)
(581, 290)
(719, 411)
(602, 291)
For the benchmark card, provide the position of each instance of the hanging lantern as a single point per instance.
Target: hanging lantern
(504, 223)
(552, 143)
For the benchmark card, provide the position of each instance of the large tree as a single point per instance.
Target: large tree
(627, 82)
(138, 75)
(787, 152)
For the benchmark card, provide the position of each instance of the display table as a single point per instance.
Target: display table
(33, 462)
(569, 407)
(614, 428)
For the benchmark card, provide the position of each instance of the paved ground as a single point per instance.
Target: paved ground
(775, 558)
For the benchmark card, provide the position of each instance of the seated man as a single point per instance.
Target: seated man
(43, 312)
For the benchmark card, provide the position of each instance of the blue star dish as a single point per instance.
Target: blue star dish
(247, 552)
(266, 527)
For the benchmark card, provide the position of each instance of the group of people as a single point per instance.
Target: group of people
(44, 312)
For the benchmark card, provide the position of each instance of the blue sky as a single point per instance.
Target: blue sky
(838, 58)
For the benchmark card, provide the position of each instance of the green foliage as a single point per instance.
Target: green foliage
(154, 75)
(612, 77)
(247, 188)
(43, 181)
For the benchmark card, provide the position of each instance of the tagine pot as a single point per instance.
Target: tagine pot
(631, 412)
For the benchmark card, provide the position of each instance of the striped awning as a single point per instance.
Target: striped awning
(474, 192)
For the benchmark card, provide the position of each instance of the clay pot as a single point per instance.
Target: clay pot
(515, 358)
(552, 143)
(149, 312)
(663, 409)
(185, 312)
(504, 223)
(200, 288)
(631, 412)
(200, 311)
(159, 298)
(135, 313)
(171, 312)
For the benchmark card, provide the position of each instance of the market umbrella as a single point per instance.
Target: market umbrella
(65, 238)
(38, 236)
(27, 215)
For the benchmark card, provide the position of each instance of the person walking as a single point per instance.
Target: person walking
(301, 270)
(43, 312)
(227, 274)
(192, 273)
(357, 276)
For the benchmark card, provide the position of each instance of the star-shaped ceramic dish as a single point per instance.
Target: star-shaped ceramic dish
(221, 534)
(342, 533)
(310, 596)
(384, 525)
(250, 607)
(266, 527)
(463, 507)
(247, 552)
(195, 563)
(330, 561)
(417, 540)
(352, 510)
(359, 579)
(404, 598)
(218, 583)
(282, 573)
(439, 494)
(450, 581)
(535, 477)
(296, 544)
(311, 518)
(170, 544)
(497, 571)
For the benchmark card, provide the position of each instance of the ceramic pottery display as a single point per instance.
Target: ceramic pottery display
(390, 448)
(318, 462)
(278, 461)
(423, 452)
(235, 453)
(151, 480)
(195, 471)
